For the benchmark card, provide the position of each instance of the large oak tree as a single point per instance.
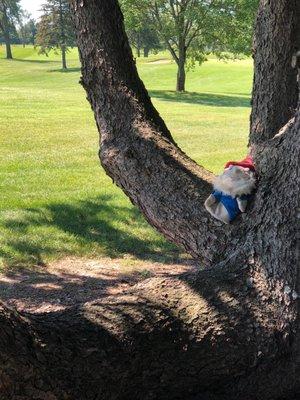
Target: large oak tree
(231, 331)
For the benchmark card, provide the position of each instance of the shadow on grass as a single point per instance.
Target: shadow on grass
(207, 99)
(35, 61)
(65, 71)
(68, 70)
(94, 227)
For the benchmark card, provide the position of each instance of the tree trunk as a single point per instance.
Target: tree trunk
(146, 52)
(63, 57)
(6, 35)
(9, 55)
(278, 32)
(138, 51)
(180, 85)
(62, 36)
(229, 332)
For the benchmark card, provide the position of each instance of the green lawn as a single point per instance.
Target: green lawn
(55, 199)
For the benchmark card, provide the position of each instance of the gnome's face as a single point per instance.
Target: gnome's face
(235, 181)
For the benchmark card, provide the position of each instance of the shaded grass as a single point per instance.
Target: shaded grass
(90, 227)
(55, 199)
(208, 99)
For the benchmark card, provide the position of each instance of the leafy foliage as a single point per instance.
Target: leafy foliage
(11, 10)
(140, 33)
(190, 29)
(27, 29)
(55, 31)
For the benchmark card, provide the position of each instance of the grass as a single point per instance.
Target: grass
(55, 199)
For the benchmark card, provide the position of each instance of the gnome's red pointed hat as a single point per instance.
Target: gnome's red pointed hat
(245, 163)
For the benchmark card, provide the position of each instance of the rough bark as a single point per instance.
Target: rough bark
(277, 27)
(229, 332)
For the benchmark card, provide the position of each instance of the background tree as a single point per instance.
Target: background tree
(55, 30)
(143, 38)
(192, 28)
(141, 34)
(150, 41)
(31, 31)
(230, 331)
(27, 29)
(9, 14)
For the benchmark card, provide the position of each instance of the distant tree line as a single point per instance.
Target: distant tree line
(188, 29)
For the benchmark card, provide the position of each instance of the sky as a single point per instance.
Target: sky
(32, 6)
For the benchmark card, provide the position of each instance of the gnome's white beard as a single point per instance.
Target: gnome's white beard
(235, 181)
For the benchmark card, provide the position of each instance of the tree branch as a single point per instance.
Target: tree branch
(167, 42)
(192, 37)
(133, 146)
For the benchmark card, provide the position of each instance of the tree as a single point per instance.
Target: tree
(192, 28)
(230, 331)
(31, 31)
(9, 15)
(139, 33)
(27, 29)
(143, 38)
(55, 30)
(150, 41)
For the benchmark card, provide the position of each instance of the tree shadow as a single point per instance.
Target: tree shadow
(94, 226)
(240, 94)
(66, 71)
(35, 61)
(206, 99)
(74, 282)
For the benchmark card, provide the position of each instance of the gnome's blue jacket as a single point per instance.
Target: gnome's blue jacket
(237, 178)
(230, 203)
